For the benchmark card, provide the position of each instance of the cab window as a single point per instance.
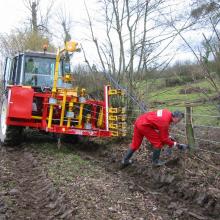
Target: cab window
(39, 71)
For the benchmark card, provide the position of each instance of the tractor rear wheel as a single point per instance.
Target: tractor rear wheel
(9, 135)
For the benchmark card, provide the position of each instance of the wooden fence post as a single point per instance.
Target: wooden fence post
(189, 128)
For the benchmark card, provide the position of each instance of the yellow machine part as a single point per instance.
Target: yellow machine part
(116, 92)
(121, 110)
(117, 117)
(63, 107)
(100, 118)
(70, 92)
(120, 125)
(73, 92)
(71, 103)
(67, 78)
(71, 46)
(54, 89)
(119, 133)
(80, 116)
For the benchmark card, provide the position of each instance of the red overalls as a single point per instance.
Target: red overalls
(154, 126)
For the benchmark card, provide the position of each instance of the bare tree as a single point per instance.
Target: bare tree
(32, 36)
(204, 17)
(66, 23)
(39, 21)
(134, 38)
(205, 13)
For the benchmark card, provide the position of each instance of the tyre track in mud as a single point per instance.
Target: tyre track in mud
(33, 196)
(137, 192)
(26, 192)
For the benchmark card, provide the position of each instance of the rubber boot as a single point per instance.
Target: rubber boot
(155, 160)
(126, 160)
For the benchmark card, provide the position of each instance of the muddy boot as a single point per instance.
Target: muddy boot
(126, 160)
(155, 160)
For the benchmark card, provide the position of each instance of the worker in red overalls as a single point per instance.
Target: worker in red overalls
(155, 127)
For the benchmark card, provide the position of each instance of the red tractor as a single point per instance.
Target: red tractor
(38, 94)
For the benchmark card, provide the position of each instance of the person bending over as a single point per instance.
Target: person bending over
(154, 126)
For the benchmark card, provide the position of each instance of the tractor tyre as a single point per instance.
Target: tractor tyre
(9, 135)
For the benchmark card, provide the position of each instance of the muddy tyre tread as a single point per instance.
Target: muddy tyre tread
(14, 136)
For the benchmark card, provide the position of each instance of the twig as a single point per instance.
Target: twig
(197, 216)
(206, 162)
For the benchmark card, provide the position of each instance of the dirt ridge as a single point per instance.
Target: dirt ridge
(33, 195)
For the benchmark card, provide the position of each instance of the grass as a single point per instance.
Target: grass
(7, 185)
(62, 165)
(172, 94)
(171, 98)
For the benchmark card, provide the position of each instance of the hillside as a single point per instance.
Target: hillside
(200, 95)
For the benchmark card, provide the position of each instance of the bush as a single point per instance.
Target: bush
(173, 82)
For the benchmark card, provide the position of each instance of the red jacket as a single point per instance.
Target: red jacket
(159, 120)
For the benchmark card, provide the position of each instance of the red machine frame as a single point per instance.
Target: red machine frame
(22, 98)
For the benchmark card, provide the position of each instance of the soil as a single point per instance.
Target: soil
(88, 182)
(26, 191)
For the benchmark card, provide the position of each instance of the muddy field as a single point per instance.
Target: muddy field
(86, 181)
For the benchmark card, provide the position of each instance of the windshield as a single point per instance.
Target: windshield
(39, 71)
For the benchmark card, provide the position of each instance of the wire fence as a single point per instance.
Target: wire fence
(132, 118)
(212, 120)
(203, 139)
(140, 108)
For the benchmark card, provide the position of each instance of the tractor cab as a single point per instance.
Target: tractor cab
(35, 69)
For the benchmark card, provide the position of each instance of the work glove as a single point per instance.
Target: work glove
(171, 138)
(182, 146)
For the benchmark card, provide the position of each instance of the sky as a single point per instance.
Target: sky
(13, 13)
(10, 14)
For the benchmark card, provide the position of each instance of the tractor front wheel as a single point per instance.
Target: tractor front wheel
(9, 135)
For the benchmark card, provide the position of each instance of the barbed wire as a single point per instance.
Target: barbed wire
(200, 149)
(210, 116)
(205, 126)
(138, 110)
(199, 139)
(164, 104)
(198, 125)
(178, 134)
(201, 115)
(205, 140)
(132, 117)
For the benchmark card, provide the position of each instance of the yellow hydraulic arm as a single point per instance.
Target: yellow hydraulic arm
(69, 47)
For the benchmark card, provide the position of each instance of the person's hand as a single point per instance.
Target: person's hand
(182, 146)
(171, 138)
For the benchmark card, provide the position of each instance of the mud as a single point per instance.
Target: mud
(186, 188)
(25, 190)
(88, 182)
